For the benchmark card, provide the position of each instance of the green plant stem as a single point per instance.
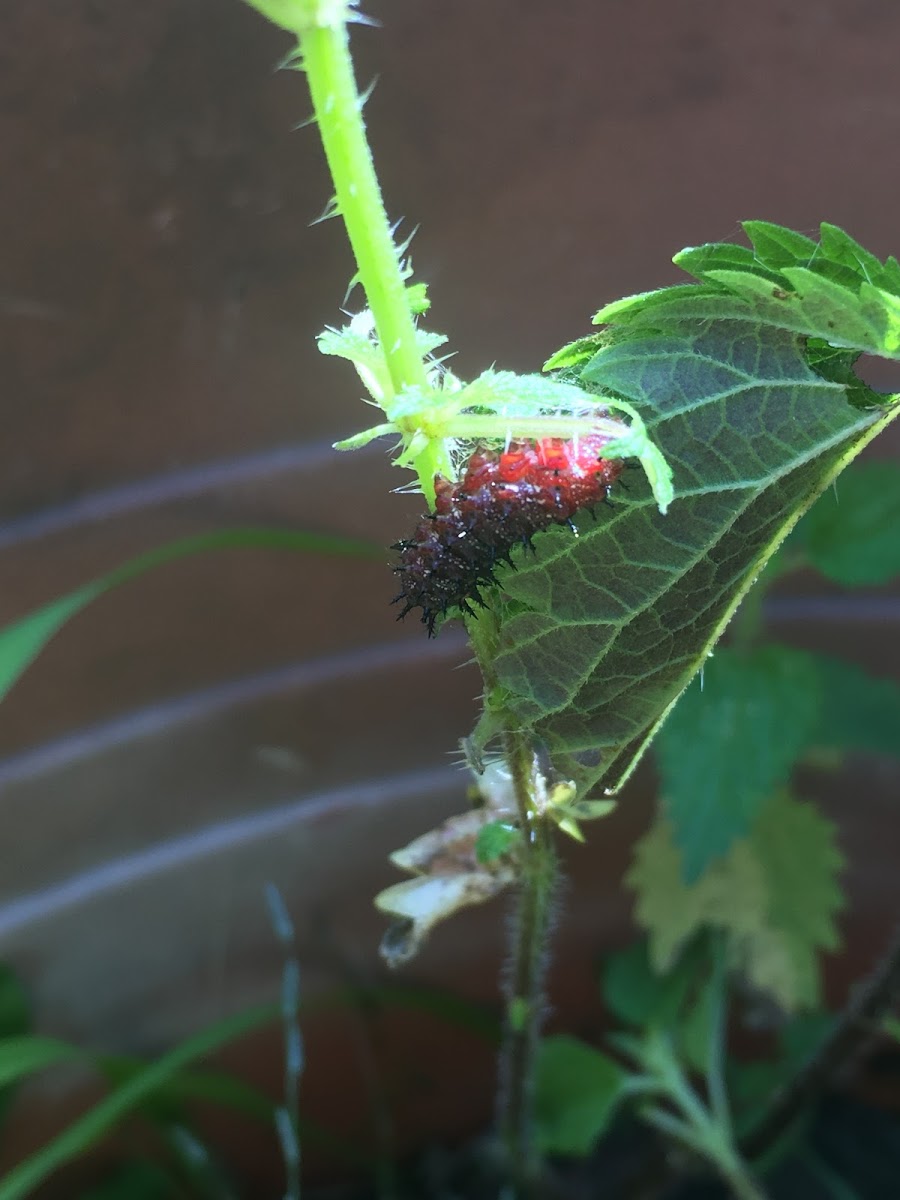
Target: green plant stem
(707, 1133)
(740, 1181)
(525, 989)
(338, 110)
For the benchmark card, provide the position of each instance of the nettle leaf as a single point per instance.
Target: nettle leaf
(730, 743)
(638, 995)
(731, 895)
(576, 1094)
(598, 635)
(857, 711)
(853, 535)
(836, 290)
(774, 895)
(797, 850)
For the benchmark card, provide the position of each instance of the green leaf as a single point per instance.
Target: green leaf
(731, 895)
(23, 640)
(853, 535)
(796, 848)
(731, 743)
(774, 895)
(494, 840)
(29, 1053)
(15, 1011)
(577, 1092)
(595, 637)
(779, 247)
(835, 291)
(133, 1181)
(15, 1022)
(169, 1100)
(857, 711)
(99, 1120)
(639, 995)
(694, 1032)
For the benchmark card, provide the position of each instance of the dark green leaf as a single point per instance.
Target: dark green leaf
(853, 535)
(840, 367)
(133, 1181)
(15, 1014)
(730, 743)
(599, 634)
(23, 640)
(640, 995)
(857, 711)
(694, 1032)
(15, 1022)
(577, 1092)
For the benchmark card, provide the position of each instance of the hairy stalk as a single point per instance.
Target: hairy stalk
(324, 52)
(858, 1026)
(539, 873)
(338, 109)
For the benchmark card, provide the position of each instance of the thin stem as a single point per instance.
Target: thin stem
(707, 1133)
(741, 1181)
(525, 989)
(857, 1027)
(325, 52)
(338, 109)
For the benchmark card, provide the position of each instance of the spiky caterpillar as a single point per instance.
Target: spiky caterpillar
(502, 499)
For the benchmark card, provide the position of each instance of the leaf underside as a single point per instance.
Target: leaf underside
(598, 635)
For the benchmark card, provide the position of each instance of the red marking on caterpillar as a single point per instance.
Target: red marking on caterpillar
(502, 499)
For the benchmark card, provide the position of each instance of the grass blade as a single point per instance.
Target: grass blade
(99, 1120)
(23, 640)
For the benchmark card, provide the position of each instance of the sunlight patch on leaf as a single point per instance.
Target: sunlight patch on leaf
(774, 895)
